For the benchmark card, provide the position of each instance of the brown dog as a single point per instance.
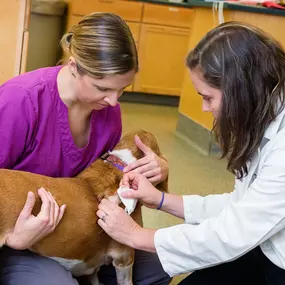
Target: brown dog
(78, 243)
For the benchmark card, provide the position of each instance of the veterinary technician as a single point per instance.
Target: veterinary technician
(238, 237)
(56, 121)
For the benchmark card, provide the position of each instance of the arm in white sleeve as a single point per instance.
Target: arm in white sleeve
(239, 227)
(198, 208)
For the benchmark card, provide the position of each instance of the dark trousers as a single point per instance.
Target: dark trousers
(28, 268)
(254, 268)
(147, 270)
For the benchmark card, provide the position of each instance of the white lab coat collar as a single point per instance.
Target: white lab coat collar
(274, 126)
(269, 134)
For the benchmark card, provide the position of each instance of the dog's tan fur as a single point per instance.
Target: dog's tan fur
(78, 236)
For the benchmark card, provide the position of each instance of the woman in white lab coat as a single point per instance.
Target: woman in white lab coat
(239, 237)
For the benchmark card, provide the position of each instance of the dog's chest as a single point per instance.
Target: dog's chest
(79, 267)
(76, 267)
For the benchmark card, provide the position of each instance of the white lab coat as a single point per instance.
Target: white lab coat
(221, 228)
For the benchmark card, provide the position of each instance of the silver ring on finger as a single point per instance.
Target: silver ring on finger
(103, 218)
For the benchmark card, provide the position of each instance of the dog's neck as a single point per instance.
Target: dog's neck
(124, 155)
(103, 178)
(114, 160)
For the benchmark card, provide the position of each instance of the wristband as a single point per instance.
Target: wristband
(161, 202)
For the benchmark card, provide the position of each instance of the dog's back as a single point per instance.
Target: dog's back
(78, 241)
(74, 192)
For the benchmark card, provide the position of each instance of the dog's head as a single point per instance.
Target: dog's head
(105, 177)
(127, 142)
(128, 151)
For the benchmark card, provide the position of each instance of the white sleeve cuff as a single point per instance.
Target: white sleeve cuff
(162, 252)
(193, 209)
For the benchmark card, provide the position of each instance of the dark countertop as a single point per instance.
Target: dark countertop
(227, 5)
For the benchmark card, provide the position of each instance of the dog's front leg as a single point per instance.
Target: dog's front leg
(124, 274)
(123, 260)
(94, 280)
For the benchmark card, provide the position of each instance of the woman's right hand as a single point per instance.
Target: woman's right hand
(29, 229)
(144, 190)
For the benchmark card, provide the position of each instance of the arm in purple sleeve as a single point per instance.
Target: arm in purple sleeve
(17, 124)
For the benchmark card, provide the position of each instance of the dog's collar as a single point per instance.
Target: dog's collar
(114, 160)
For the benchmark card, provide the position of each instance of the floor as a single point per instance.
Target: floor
(191, 172)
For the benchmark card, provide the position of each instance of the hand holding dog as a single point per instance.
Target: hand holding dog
(143, 190)
(29, 229)
(117, 223)
(151, 165)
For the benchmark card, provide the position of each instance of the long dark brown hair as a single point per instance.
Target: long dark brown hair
(248, 66)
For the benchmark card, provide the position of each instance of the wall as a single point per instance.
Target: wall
(203, 21)
(14, 16)
(190, 102)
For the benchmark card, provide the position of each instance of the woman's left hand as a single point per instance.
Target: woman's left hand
(117, 223)
(151, 165)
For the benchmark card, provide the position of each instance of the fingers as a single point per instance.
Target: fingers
(137, 181)
(100, 214)
(107, 206)
(102, 224)
(130, 180)
(61, 213)
(155, 180)
(52, 212)
(152, 173)
(29, 228)
(58, 211)
(145, 149)
(131, 194)
(143, 165)
(46, 204)
(127, 180)
(136, 164)
(29, 205)
(146, 168)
